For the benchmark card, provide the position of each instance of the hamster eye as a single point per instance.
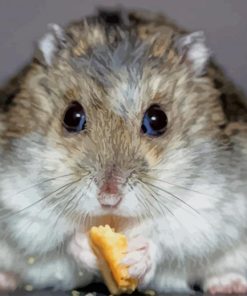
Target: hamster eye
(74, 118)
(154, 121)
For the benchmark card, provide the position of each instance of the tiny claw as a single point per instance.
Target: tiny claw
(133, 257)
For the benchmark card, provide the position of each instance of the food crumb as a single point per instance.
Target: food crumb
(29, 288)
(75, 293)
(31, 260)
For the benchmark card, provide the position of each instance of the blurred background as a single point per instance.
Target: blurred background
(22, 22)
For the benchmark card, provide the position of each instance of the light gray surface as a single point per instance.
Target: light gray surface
(224, 21)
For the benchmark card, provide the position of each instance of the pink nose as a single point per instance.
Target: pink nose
(110, 187)
(109, 195)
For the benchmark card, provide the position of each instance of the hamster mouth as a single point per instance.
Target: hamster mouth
(110, 202)
(118, 222)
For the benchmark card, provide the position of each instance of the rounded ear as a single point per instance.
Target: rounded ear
(192, 49)
(50, 44)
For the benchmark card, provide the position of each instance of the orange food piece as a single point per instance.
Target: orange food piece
(110, 248)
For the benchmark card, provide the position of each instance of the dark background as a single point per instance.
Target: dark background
(224, 21)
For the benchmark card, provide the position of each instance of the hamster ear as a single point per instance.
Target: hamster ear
(192, 48)
(50, 44)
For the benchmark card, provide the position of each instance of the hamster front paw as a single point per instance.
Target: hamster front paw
(141, 259)
(226, 284)
(81, 250)
(8, 281)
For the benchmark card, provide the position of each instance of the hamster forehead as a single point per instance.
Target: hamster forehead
(123, 79)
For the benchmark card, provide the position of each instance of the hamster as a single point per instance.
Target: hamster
(123, 119)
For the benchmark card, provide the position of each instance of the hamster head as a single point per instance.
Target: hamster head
(111, 121)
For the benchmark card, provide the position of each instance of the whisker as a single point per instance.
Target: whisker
(152, 193)
(144, 204)
(178, 186)
(67, 211)
(35, 203)
(64, 209)
(173, 195)
(79, 199)
(172, 232)
(69, 205)
(160, 210)
(33, 221)
(60, 197)
(194, 211)
(38, 184)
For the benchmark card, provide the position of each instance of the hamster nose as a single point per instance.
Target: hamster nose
(109, 194)
(110, 187)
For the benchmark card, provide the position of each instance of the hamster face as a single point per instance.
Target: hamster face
(110, 129)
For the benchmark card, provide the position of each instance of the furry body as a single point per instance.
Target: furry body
(185, 193)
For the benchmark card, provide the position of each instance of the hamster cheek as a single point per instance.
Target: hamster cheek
(131, 203)
(88, 199)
